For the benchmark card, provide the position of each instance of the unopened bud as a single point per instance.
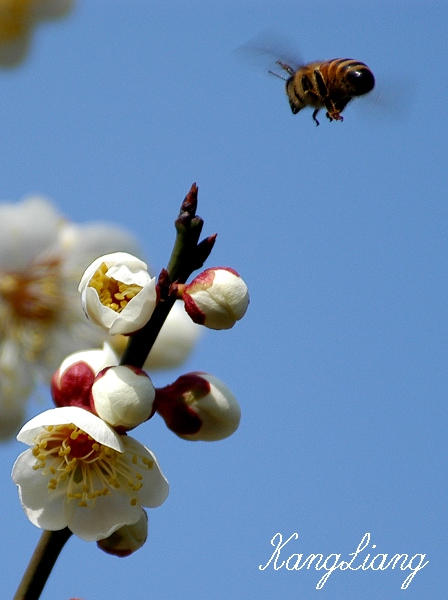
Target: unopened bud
(72, 382)
(127, 539)
(123, 396)
(118, 293)
(216, 298)
(199, 406)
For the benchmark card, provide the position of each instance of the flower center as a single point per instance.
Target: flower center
(14, 19)
(71, 458)
(112, 293)
(33, 294)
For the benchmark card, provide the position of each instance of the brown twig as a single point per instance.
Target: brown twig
(41, 564)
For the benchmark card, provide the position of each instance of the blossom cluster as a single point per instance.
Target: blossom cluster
(83, 469)
(42, 258)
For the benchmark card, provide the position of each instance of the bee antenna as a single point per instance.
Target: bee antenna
(277, 75)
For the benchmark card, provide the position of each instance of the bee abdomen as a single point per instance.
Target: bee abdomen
(353, 75)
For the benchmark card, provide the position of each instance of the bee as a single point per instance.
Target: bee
(330, 84)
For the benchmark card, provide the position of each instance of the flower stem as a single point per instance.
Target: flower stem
(188, 254)
(41, 564)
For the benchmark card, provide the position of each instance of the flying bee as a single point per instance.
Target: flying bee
(330, 84)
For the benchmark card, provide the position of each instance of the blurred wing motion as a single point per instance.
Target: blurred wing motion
(390, 101)
(263, 52)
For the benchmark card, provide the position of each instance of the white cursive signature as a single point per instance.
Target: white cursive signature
(379, 562)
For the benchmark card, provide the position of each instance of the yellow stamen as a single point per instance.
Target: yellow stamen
(112, 293)
(88, 470)
(31, 302)
(15, 19)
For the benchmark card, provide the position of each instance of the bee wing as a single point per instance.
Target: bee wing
(389, 100)
(266, 50)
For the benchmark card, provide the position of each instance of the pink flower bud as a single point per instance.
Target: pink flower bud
(73, 387)
(72, 382)
(123, 396)
(198, 406)
(127, 539)
(216, 298)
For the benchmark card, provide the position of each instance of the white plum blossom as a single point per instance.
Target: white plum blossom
(42, 258)
(118, 293)
(123, 396)
(79, 473)
(16, 383)
(175, 341)
(17, 21)
(216, 298)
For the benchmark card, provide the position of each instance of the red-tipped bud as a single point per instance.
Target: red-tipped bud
(198, 406)
(216, 298)
(123, 396)
(126, 539)
(72, 382)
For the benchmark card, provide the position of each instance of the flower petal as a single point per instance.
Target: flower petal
(175, 341)
(85, 420)
(137, 312)
(155, 487)
(130, 274)
(110, 260)
(97, 359)
(109, 514)
(27, 229)
(43, 509)
(83, 243)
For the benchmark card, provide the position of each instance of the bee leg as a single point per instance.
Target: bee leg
(321, 85)
(332, 111)
(294, 101)
(307, 84)
(334, 116)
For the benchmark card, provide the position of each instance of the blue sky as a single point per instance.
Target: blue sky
(340, 233)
